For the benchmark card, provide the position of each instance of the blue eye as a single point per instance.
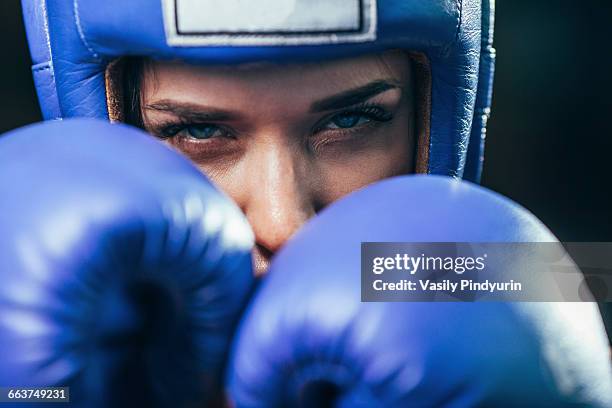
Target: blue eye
(357, 117)
(347, 121)
(203, 131)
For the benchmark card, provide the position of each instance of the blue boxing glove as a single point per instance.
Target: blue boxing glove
(123, 270)
(308, 340)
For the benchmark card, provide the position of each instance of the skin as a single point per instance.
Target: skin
(284, 141)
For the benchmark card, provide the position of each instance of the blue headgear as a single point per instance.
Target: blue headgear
(73, 43)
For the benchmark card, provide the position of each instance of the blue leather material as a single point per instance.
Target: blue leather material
(307, 333)
(86, 34)
(44, 80)
(36, 23)
(124, 271)
(482, 109)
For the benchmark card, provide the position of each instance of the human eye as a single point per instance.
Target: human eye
(351, 127)
(193, 131)
(354, 118)
(200, 141)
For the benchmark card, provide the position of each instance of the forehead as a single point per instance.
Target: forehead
(168, 78)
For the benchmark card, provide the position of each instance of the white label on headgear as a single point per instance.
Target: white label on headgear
(268, 22)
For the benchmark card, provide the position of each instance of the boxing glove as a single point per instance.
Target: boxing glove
(123, 270)
(308, 340)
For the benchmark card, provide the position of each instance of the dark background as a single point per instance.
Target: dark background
(549, 143)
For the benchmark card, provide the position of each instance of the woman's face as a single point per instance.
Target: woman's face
(284, 141)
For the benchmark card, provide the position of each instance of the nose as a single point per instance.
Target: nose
(280, 200)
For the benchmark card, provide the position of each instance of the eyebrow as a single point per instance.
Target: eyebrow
(353, 96)
(199, 113)
(191, 111)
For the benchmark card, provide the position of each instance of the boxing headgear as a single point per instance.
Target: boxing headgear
(74, 42)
